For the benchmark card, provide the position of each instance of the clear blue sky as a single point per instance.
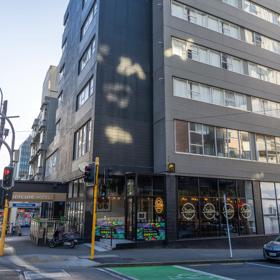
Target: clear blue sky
(30, 41)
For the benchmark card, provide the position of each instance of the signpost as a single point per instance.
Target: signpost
(228, 231)
(95, 192)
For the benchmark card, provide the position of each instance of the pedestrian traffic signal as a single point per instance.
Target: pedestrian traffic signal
(89, 174)
(8, 177)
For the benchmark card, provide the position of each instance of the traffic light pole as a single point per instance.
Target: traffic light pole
(95, 192)
(6, 207)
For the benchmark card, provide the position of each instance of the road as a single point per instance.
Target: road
(236, 271)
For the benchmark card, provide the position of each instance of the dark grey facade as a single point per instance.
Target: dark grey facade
(193, 83)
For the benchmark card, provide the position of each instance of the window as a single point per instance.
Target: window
(196, 136)
(88, 20)
(60, 99)
(181, 88)
(57, 127)
(179, 10)
(219, 25)
(261, 148)
(223, 142)
(90, 50)
(85, 94)
(61, 73)
(209, 140)
(64, 45)
(222, 60)
(82, 139)
(52, 163)
(269, 205)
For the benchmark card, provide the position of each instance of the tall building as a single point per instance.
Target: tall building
(22, 166)
(44, 126)
(180, 99)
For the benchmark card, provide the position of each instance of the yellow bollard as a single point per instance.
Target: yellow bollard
(4, 227)
(94, 208)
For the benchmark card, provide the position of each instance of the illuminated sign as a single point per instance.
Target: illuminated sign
(188, 211)
(246, 211)
(230, 211)
(209, 211)
(159, 205)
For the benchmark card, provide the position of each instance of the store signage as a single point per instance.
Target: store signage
(246, 211)
(209, 211)
(188, 211)
(230, 211)
(37, 196)
(25, 205)
(159, 205)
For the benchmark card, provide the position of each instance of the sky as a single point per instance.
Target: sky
(30, 41)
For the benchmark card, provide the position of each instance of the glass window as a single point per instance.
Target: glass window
(221, 141)
(205, 94)
(215, 59)
(213, 24)
(195, 91)
(231, 30)
(197, 18)
(233, 143)
(267, 190)
(85, 94)
(245, 141)
(230, 99)
(182, 143)
(196, 138)
(277, 143)
(179, 10)
(90, 50)
(257, 105)
(209, 140)
(218, 96)
(241, 101)
(271, 149)
(249, 36)
(181, 88)
(261, 149)
(232, 2)
(179, 48)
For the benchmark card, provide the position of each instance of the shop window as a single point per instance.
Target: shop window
(269, 207)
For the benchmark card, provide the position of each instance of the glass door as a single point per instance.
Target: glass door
(130, 207)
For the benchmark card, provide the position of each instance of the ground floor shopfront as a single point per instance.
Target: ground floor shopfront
(150, 208)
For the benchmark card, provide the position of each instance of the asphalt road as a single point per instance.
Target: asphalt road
(237, 271)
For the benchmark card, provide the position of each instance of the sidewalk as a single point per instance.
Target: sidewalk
(21, 252)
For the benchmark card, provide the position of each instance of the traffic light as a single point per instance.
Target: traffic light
(103, 191)
(89, 174)
(8, 177)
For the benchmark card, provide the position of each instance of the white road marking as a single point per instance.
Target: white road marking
(202, 272)
(264, 265)
(116, 274)
(34, 275)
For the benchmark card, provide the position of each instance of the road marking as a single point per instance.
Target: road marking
(115, 274)
(264, 265)
(34, 275)
(204, 273)
(194, 265)
(240, 263)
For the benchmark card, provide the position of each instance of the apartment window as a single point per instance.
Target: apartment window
(82, 139)
(269, 207)
(224, 27)
(88, 20)
(261, 148)
(60, 99)
(57, 127)
(66, 19)
(230, 63)
(61, 73)
(232, 2)
(223, 142)
(85, 94)
(52, 163)
(89, 52)
(64, 45)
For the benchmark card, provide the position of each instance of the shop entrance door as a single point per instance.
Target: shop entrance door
(130, 220)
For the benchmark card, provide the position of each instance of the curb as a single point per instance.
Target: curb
(188, 262)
